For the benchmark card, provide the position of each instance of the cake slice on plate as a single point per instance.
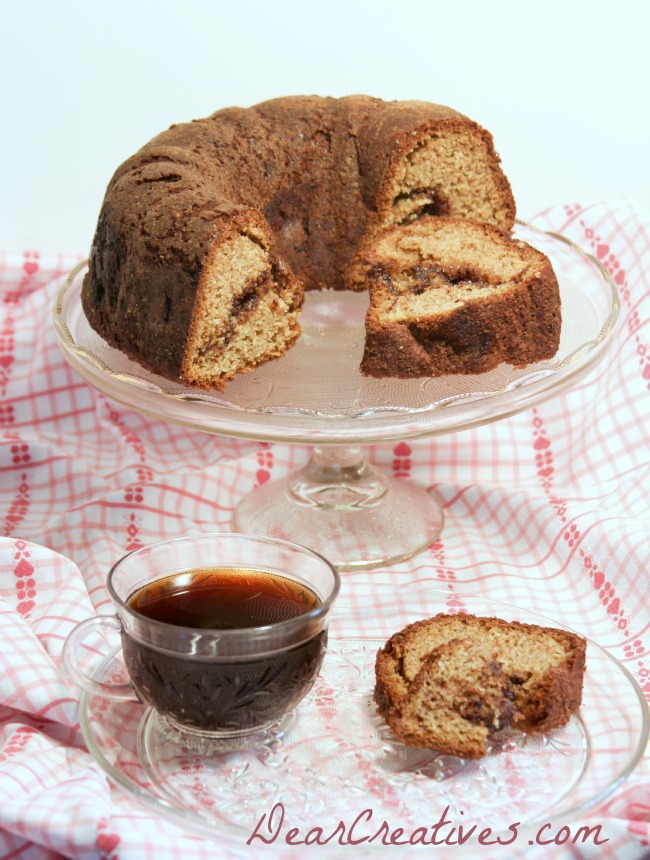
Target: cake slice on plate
(452, 681)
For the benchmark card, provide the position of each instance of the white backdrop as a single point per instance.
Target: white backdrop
(563, 86)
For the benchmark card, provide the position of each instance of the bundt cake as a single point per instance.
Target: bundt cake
(208, 234)
(451, 682)
(450, 295)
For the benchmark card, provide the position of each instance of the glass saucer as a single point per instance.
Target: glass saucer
(334, 760)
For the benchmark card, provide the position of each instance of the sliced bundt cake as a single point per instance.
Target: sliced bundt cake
(209, 233)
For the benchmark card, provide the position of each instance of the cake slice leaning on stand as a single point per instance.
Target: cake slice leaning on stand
(450, 295)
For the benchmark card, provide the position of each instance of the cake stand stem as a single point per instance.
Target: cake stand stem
(345, 509)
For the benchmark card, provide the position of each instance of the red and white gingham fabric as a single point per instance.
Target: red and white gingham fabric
(548, 510)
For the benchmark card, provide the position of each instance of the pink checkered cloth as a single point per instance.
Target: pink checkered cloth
(548, 510)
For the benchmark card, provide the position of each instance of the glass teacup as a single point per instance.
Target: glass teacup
(222, 634)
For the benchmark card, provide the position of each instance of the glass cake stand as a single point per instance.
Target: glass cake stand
(338, 504)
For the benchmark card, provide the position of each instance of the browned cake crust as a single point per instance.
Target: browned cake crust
(209, 233)
(450, 682)
(450, 295)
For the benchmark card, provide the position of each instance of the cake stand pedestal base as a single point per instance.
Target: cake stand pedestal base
(343, 508)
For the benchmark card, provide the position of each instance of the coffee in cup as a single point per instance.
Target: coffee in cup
(219, 649)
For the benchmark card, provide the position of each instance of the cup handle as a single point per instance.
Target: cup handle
(72, 651)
